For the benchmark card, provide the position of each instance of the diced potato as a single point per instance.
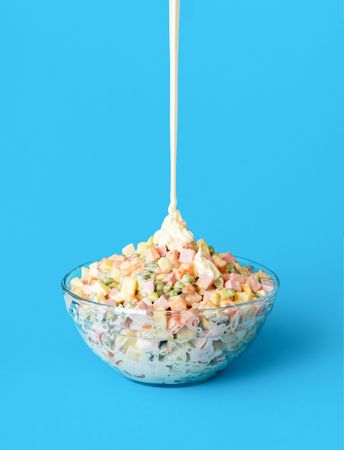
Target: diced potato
(79, 292)
(129, 286)
(94, 270)
(100, 288)
(243, 297)
(246, 288)
(76, 283)
(116, 275)
(128, 250)
(106, 265)
(224, 295)
(215, 298)
(85, 273)
(142, 248)
(219, 262)
(165, 264)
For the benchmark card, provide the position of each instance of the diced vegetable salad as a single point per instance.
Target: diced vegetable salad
(152, 277)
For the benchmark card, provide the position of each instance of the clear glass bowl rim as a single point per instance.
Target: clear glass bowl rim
(270, 295)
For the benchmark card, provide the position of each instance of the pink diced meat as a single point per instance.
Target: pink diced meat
(162, 250)
(170, 277)
(228, 284)
(228, 257)
(148, 286)
(161, 303)
(144, 304)
(186, 255)
(235, 281)
(177, 303)
(204, 281)
(152, 254)
(253, 283)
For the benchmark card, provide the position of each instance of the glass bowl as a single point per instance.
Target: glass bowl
(198, 345)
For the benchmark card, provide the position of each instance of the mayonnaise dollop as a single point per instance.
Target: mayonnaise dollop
(204, 266)
(174, 232)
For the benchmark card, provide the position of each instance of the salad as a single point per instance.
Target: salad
(171, 309)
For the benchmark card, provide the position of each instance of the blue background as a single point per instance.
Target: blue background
(84, 170)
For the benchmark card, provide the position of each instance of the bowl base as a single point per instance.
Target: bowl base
(176, 385)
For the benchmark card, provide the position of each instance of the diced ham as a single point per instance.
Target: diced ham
(152, 254)
(188, 289)
(228, 257)
(235, 281)
(147, 286)
(193, 298)
(186, 255)
(162, 250)
(144, 304)
(228, 284)
(173, 256)
(235, 284)
(161, 303)
(170, 277)
(204, 281)
(177, 303)
(253, 283)
(219, 262)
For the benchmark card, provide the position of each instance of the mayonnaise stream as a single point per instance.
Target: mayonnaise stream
(174, 233)
(174, 43)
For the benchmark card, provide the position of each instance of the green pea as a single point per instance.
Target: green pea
(172, 293)
(188, 279)
(108, 281)
(211, 249)
(153, 296)
(167, 287)
(219, 282)
(178, 287)
(229, 267)
(230, 292)
(159, 287)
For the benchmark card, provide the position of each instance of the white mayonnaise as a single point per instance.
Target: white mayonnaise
(204, 266)
(174, 232)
